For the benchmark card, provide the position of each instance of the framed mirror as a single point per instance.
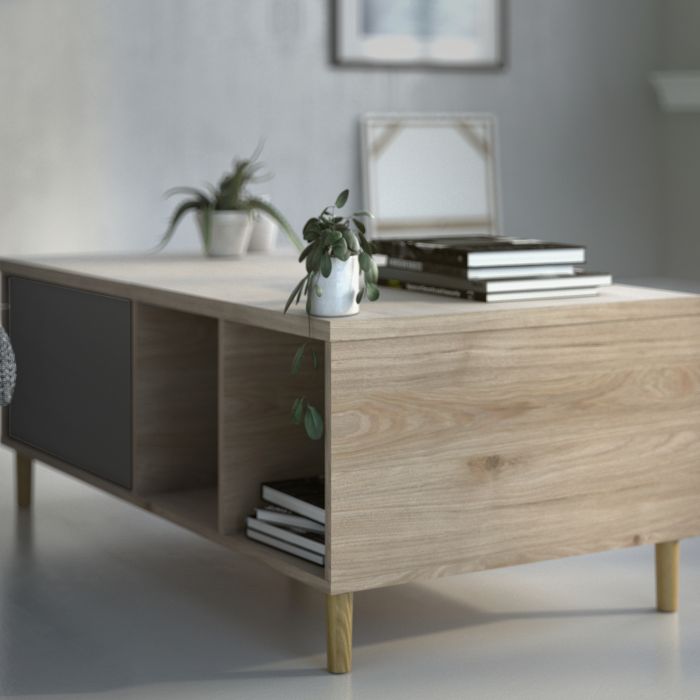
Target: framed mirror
(430, 175)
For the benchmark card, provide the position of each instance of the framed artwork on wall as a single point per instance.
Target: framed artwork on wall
(432, 33)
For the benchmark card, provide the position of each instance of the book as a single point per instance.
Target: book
(487, 251)
(524, 284)
(304, 497)
(282, 516)
(503, 296)
(483, 273)
(286, 547)
(313, 541)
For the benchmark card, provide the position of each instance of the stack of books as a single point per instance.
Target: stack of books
(489, 268)
(293, 518)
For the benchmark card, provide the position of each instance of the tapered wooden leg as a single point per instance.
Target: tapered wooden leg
(339, 632)
(24, 480)
(667, 567)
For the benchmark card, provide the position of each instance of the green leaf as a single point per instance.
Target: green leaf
(332, 237)
(298, 410)
(298, 357)
(372, 291)
(360, 294)
(340, 250)
(175, 220)
(369, 267)
(360, 226)
(318, 291)
(294, 293)
(311, 230)
(306, 251)
(342, 199)
(352, 242)
(326, 265)
(313, 259)
(368, 214)
(313, 423)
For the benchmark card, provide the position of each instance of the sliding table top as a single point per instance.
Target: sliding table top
(254, 289)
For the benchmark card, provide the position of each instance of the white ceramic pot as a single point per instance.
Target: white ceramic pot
(263, 237)
(229, 233)
(338, 290)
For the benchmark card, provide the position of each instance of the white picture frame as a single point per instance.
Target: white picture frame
(467, 196)
(428, 33)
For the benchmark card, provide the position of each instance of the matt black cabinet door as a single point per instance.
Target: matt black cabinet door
(73, 395)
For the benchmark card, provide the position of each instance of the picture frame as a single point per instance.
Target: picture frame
(467, 34)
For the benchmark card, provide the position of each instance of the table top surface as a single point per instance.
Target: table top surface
(254, 290)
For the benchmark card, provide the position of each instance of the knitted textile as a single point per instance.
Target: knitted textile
(8, 369)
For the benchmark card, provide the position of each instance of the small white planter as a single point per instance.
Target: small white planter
(229, 233)
(263, 237)
(338, 290)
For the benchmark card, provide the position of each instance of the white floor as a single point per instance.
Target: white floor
(101, 600)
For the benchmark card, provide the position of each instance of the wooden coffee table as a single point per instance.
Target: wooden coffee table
(459, 436)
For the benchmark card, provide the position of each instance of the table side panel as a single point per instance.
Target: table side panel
(258, 441)
(469, 451)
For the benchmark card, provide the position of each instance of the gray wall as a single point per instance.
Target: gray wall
(107, 103)
(679, 237)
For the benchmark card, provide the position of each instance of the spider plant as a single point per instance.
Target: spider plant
(231, 194)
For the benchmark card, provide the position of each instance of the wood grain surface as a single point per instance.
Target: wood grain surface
(175, 400)
(258, 441)
(470, 451)
(253, 291)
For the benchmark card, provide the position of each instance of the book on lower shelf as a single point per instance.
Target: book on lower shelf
(292, 519)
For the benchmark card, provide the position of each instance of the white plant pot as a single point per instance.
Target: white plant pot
(338, 290)
(229, 233)
(263, 237)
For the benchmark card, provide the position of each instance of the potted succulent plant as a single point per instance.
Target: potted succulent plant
(224, 213)
(338, 254)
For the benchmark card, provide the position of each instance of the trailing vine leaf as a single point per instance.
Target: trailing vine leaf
(372, 291)
(360, 226)
(326, 265)
(298, 410)
(342, 199)
(294, 293)
(298, 357)
(313, 422)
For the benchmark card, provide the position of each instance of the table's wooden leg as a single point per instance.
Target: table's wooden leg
(339, 632)
(667, 566)
(23, 467)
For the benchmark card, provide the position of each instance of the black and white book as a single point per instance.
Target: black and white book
(286, 547)
(579, 280)
(487, 251)
(483, 273)
(282, 516)
(306, 497)
(313, 541)
(503, 296)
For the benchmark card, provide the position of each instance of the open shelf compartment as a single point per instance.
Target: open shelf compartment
(175, 431)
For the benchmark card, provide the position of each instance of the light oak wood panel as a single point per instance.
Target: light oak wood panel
(175, 400)
(469, 451)
(258, 441)
(253, 291)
